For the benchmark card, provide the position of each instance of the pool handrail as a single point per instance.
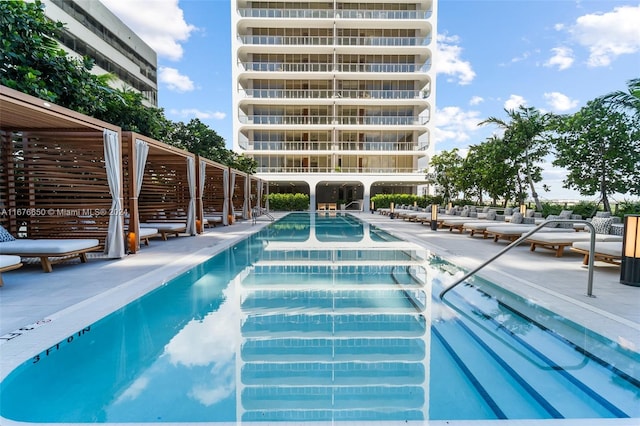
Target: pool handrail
(527, 235)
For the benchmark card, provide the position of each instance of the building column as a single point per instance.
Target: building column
(366, 197)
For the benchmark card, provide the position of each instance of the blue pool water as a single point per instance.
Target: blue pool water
(324, 318)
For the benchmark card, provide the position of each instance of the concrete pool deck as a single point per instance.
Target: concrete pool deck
(40, 310)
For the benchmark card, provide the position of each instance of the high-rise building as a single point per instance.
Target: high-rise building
(333, 98)
(92, 30)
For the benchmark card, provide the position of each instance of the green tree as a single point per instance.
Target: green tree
(526, 132)
(197, 137)
(447, 166)
(629, 100)
(33, 62)
(125, 108)
(600, 148)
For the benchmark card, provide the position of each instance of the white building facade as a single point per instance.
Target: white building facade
(334, 98)
(93, 30)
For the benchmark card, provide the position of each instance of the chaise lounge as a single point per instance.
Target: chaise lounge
(8, 263)
(558, 241)
(50, 251)
(605, 251)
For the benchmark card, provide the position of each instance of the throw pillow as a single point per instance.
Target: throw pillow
(465, 213)
(603, 214)
(565, 214)
(516, 217)
(491, 215)
(551, 217)
(5, 235)
(602, 225)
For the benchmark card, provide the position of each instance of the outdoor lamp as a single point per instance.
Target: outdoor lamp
(372, 207)
(434, 217)
(449, 206)
(630, 266)
(523, 209)
(392, 211)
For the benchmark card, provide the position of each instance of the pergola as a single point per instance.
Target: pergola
(60, 173)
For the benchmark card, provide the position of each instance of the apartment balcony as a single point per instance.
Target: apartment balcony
(330, 147)
(326, 67)
(334, 14)
(366, 41)
(330, 94)
(367, 120)
(343, 170)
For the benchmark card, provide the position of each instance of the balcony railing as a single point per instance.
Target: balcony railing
(383, 120)
(329, 93)
(333, 146)
(278, 40)
(376, 170)
(333, 14)
(382, 41)
(337, 67)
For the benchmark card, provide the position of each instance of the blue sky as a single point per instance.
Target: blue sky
(554, 55)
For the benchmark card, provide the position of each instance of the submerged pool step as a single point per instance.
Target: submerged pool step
(562, 382)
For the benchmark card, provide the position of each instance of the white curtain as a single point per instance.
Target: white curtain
(202, 178)
(191, 210)
(259, 200)
(225, 206)
(142, 152)
(246, 206)
(232, 190)
(114, 243)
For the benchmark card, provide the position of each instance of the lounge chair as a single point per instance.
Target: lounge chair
(146, 233)
(605, 251)
(558, 241)
(212, 220)
(512, 232)
(165, 228)
(45, 249)
(8, 263)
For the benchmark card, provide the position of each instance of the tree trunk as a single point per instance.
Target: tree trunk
(534, 194)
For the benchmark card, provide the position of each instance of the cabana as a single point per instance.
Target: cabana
(239, 195)
(160, 188)
(60, 175)
(211, 207)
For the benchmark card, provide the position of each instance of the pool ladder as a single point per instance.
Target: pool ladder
(257, 211)
(527, 235)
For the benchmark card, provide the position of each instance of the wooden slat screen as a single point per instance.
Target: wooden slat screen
(61, 188)
(165, 190)
(213, 195)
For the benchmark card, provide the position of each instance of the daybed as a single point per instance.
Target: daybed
(558, 241)
(60, 249)
(146, 233)
(605, 251)
(212, 220)
(165, 228)
(512, 232)
(8, 263)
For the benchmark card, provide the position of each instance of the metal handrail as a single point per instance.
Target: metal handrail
(592, 248)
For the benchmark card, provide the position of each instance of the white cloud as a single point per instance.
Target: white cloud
(608, 35)
(562, 58)
(476, 100)
(160, 24)
(448, 60)
(560, 102)
(514, 102)
(196, 113)
(174, 80)
(455, 124)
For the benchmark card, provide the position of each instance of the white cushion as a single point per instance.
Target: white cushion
(164, 226)
(147, 232)
(8, 260)
(46, 246)
(610, 248)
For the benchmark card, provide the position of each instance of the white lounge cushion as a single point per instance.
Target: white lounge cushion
(609, 248)
(567, 237)
(519, 230)
(213, 219)
(148, 232)
(164, 226)
(46, 246)
(8, 260)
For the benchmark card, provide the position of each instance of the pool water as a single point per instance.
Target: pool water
(325, 318)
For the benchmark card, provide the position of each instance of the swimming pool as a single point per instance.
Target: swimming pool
(324, 319)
